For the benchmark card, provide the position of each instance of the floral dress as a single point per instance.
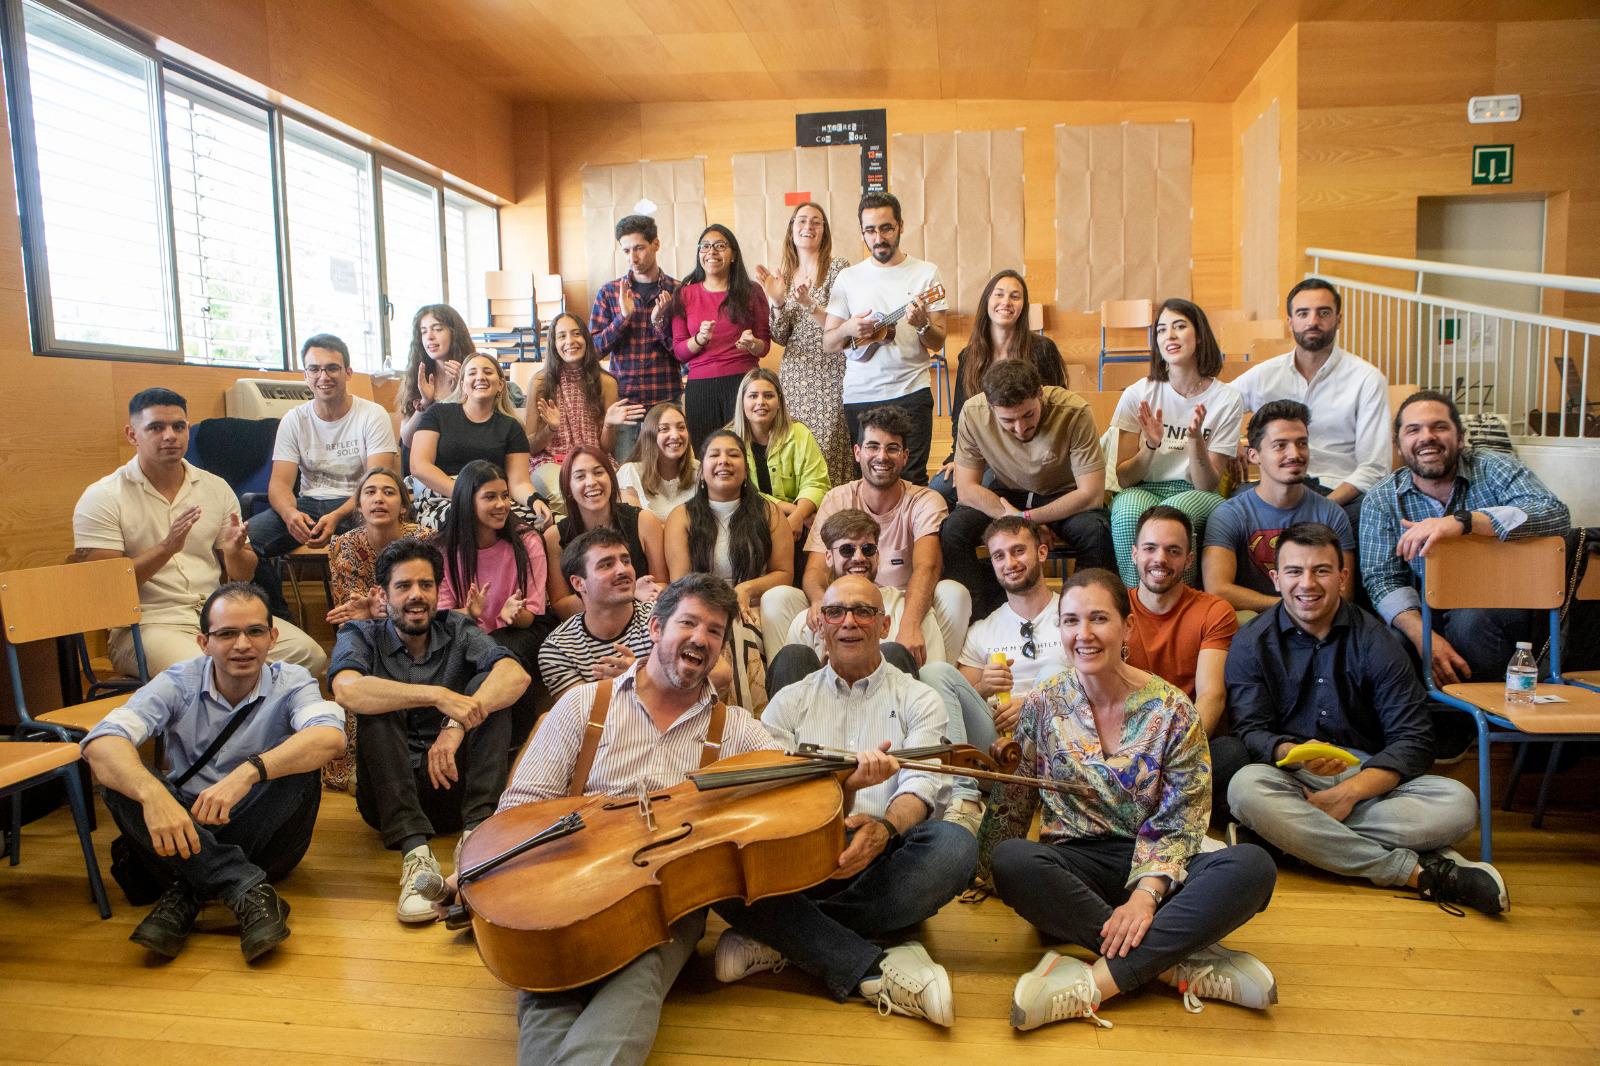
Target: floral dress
(812, 379)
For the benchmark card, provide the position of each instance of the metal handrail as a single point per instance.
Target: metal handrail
(1567, 282)
(1572, 325)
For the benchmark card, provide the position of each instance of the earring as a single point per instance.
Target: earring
(1125, 653)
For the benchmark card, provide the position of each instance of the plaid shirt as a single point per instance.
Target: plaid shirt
(1512, 496)
(641, 353)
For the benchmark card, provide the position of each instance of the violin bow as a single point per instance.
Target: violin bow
(911, 758)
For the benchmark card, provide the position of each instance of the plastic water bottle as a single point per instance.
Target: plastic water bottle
(1522, 676)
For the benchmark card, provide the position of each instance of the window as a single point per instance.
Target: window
(412, 272)
(472, 241)
(168, 216)
(225, 231)
(101, 265)
(333, 247)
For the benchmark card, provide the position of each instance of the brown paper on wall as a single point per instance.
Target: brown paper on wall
(830, 174)
(1258, 239)
(1123, 224)
(678, 189)
(961, 194)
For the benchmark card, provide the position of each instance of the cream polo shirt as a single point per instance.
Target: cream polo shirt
(123, 512)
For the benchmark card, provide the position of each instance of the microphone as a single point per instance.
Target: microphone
(431, 887)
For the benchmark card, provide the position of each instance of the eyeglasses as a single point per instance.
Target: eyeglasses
(1030, 650)
(316, 369)
(868, 550)
(228, 636)
(864, 613)
(714, 246)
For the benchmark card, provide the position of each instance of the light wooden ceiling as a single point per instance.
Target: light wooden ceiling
(619, 51)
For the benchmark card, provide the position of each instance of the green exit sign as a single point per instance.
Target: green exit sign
(1491, 164)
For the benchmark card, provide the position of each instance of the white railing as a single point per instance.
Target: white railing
(1530, 369)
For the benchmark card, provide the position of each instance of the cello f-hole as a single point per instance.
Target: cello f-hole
(639, 857)
(622, 804)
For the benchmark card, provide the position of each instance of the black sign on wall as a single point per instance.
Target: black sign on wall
(869, 129)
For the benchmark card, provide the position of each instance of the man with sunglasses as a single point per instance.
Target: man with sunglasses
(900, 863)
(234, 806)
(326, 445)
(929, 615)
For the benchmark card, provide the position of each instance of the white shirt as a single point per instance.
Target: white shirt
(899, 368)
(1224, 414)
(672, 493)
(1349, 402)
(1002, 631)
(885, 705)
(332, 456)
(123, 512)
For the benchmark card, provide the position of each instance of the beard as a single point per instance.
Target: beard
(1314, 340)
(681, 674)
(1030, 577)
(411, 629)
(1433, 469)
(884, 252)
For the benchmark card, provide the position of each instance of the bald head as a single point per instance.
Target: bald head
(857, 623)
(853, 589)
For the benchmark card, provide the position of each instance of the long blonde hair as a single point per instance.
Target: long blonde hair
(649, 456)
(502, 402)
(780, 422)
(791, 254)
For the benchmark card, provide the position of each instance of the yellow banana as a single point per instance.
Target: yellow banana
(1316, 749)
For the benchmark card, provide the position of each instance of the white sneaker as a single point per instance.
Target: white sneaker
(911, 983)
(965, 812)
(455, 860)
(1221, 973)
(412, 907)
(1210, 844)
(738, 956)
(1059, 988)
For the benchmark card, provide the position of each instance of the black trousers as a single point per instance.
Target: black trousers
(525, 645)
(919, 405)
(708, 405)
(1228, 757)
(394, 794)
(1088, 533)
(266, 836)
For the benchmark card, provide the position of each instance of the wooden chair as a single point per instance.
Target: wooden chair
(24, 765)
(296, 564)
(1469, 572)
(1080, 377)
(1397, 396)
(1237, 338)
(62, 601)
(1124, 333)
(1117, 377)
(1588, 589)
(1103, 405)
(1263, 348)
(512, 331)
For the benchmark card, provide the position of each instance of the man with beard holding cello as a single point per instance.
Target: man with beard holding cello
(659, 722)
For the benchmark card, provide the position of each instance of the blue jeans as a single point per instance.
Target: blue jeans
(271, 538)
(825, 930)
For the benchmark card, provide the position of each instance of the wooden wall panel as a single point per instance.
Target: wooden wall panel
(1277, 80)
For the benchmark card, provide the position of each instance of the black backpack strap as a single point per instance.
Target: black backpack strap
(216, 745)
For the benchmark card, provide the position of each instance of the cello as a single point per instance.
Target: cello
(566, 891)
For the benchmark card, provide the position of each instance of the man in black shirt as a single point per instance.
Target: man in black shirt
(1317, 668)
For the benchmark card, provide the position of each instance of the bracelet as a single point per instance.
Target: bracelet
(923, 328)
(893, 832)
(451, 723)
(1146, 442)
(1028, 514)
(1153, 893)
(261, 767)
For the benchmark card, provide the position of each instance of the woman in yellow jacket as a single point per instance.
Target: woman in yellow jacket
(784, 459)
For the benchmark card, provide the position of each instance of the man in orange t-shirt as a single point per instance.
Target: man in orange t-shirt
(1182, 635)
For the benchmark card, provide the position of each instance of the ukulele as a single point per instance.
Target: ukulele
(884, 334)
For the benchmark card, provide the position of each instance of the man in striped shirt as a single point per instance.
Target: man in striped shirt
(655, 730)
(612, 630)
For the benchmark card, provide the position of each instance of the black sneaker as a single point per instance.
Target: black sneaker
(263, 921)
(1448, 879)
(166, 928)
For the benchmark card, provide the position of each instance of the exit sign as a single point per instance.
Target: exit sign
(1491, 164)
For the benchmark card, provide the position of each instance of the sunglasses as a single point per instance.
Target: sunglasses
(1030, 650)
(864, 613)
(849, 550)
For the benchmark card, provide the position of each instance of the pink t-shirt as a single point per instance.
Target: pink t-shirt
(497, 571)
(720, 357)
(920, 513)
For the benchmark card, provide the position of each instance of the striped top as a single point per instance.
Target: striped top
(632, 751)
(569, 653)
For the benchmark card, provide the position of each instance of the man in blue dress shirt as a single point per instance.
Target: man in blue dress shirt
(234, 808)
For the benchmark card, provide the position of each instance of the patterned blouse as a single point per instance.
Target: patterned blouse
(580, 424)
(352, 562)
(1155, 789)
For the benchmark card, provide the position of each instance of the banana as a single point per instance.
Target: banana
(1316, 749)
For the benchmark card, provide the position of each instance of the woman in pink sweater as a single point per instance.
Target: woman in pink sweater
(720, 330)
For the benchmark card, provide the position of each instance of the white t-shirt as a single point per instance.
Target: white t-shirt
(1002, 631)
(332, 456)
(1224, 414)
(662, 503)
(898, 368)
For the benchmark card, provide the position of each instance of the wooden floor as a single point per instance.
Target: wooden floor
(1365, 975)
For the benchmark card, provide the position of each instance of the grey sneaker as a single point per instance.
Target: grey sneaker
(911, 983)
(1058, 989)
(1222, 973)
(738, 956)
(1448, 879)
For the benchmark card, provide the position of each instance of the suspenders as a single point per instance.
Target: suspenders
(710, 751)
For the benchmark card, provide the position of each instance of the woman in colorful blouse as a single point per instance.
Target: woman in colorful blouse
(385, 509)
(1118, 868)
(571, 402)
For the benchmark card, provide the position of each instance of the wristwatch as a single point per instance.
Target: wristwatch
(893, 832)
(1465, 518)
(261, 767)
(1153, 893)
